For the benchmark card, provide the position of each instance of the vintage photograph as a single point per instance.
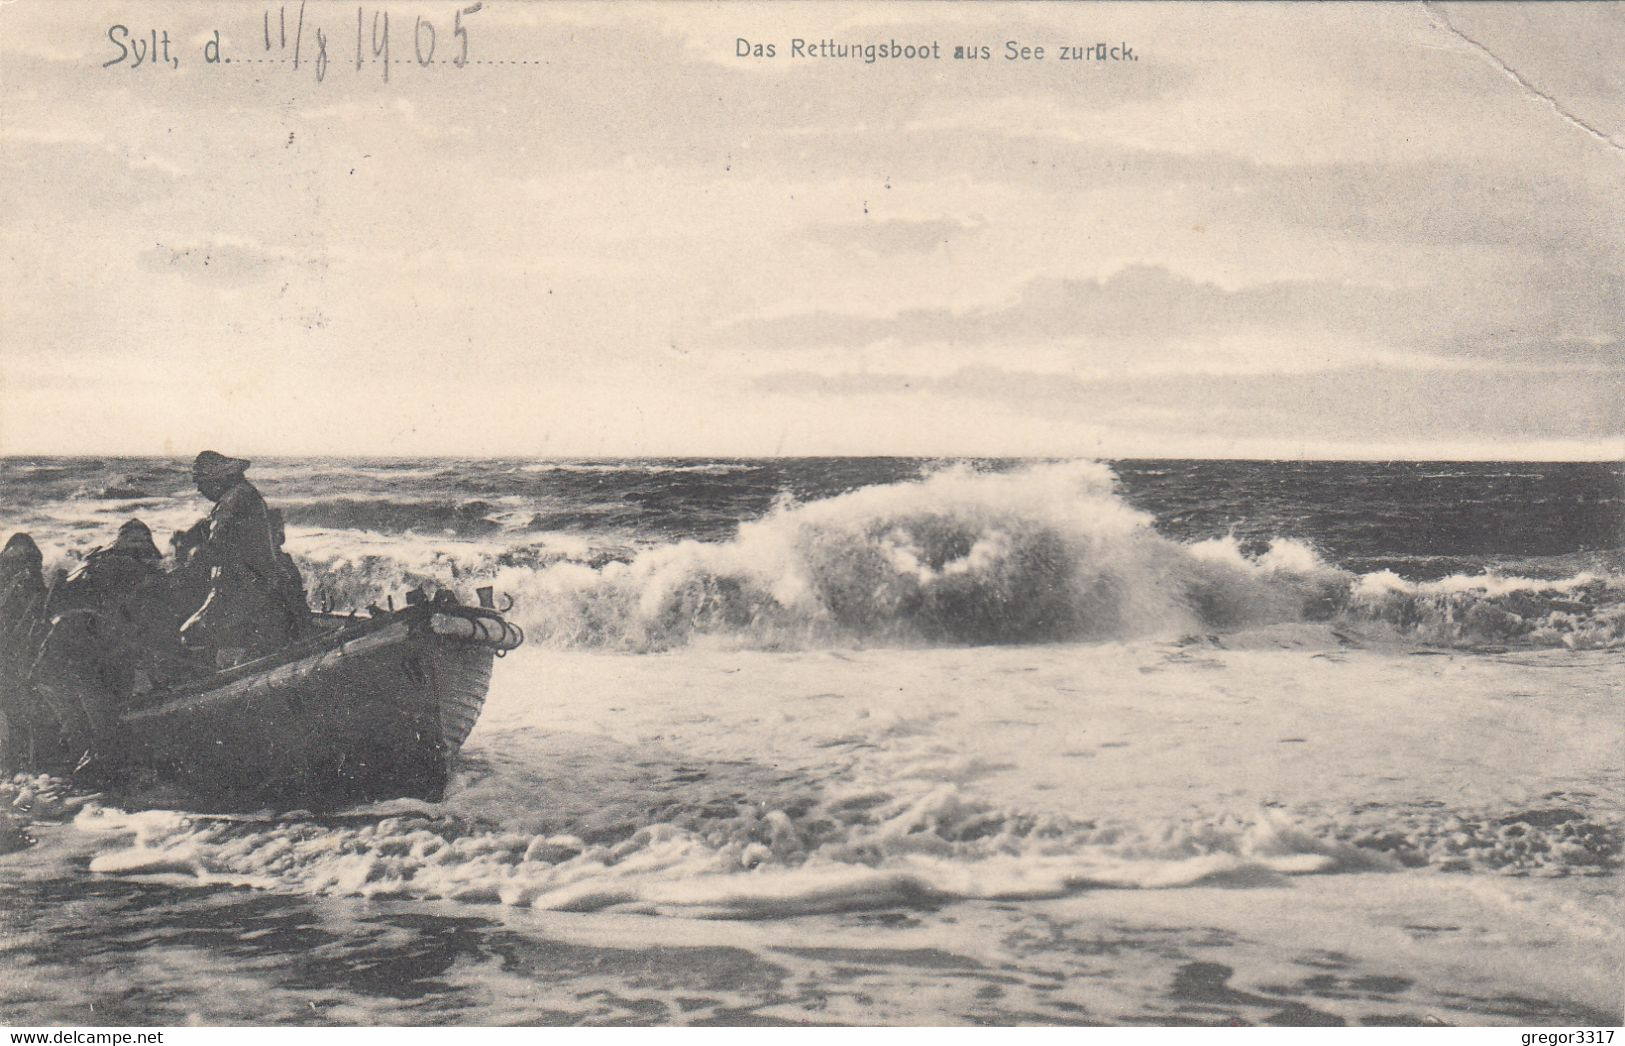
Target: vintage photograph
(812, 514)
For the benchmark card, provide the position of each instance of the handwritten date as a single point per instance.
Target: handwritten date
(286, 37)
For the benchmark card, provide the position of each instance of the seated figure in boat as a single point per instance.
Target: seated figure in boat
(22, 623)
(22, 571)
(245, 595)
(120, 579)
(22, 586)
(110, 632)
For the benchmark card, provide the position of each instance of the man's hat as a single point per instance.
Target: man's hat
(217, 466)
(135, 539)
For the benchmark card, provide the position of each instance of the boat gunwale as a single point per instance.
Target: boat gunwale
(218, 690)
(350, 629)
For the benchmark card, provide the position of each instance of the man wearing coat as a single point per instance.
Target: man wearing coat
(246, 596)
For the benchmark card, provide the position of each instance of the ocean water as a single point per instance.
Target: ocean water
(902, 741)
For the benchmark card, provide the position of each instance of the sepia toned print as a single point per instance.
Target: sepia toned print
(811, 514)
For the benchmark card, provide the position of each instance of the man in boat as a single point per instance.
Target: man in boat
(22, 585)
(22, 622)
(110, 633)
(252, 600)
(122, 579)
(22, 569)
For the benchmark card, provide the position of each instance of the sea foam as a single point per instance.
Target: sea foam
(908, 850)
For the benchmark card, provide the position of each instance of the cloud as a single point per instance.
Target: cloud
(220, 263)
(44, 176)
(1512, 346)
(1346, 403)
(1141, 304)
(893, 235)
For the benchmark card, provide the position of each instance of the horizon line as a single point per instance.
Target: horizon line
(283, 456)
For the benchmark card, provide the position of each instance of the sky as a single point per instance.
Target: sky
(1318, 230)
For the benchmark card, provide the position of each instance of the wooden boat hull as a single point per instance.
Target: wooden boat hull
(372, 711)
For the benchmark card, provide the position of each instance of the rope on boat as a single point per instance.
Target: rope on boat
(491, 631)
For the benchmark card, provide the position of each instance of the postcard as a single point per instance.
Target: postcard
(811, 514)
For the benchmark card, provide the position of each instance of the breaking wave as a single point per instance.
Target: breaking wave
(1048, 553)
(849, 850)
(1586, 611)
